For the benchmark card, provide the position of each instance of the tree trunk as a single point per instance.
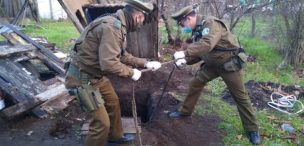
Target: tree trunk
(170, 38)
(51, 9)
(253, 25)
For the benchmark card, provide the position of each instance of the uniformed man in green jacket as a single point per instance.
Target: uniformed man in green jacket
(98, 52)
(218, 48)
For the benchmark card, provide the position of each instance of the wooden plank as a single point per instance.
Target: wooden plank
(19, 108)
(7, 50)
(51, 93)
(51, 64)
(71, 8)
(21, 11)
(14, 38)
(128, 126)
(57, 103)
(16, 76)
(56, 98)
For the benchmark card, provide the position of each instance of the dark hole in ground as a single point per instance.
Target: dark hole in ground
(143, 105)
(38, 69)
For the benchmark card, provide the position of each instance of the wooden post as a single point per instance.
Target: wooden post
(51, 10)
(71, 16)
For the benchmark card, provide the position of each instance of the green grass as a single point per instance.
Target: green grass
(60, 32)
(264, 69)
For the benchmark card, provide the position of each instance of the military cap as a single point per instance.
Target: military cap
(183, 13)
(139, 5)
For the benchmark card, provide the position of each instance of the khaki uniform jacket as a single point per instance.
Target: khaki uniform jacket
(100, 50)
(215, 34)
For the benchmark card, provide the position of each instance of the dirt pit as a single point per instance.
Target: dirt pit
(64, 128)
(161, 130)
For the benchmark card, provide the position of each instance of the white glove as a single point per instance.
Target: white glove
(181, 62)
(136, 74)
(179, 55)
(153, 65)
(2, 105)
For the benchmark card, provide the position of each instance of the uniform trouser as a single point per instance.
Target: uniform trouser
(105, 122)
(234, 82)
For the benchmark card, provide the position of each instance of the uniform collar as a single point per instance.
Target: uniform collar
(199, 19)
(121, 17)
(199, 22)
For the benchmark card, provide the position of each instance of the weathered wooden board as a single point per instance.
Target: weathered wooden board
(22, 107)
(56, 104)
(16, 76)
(128, 126)
(7, 50)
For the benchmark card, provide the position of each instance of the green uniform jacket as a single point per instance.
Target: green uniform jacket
(214, 34)
(100, 50)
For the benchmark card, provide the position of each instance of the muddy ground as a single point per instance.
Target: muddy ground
(64, 128)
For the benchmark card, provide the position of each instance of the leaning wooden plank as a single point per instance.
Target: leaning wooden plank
(14, 38)
(7, 50)
(72, 15)
(56, 98)
(19, 108)
(21, 11)
(51, 93)
(57, 104)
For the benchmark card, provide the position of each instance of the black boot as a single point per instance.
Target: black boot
(176, 115)
(254, 137)
(127, 137)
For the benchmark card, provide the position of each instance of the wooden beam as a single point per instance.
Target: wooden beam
(51, 93)
(21, 11)
(20, 108)
(71, 16)
(7, 50)
(51, 64)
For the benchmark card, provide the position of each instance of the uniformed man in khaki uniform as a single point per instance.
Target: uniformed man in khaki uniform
(222, 55)
(98, 52)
